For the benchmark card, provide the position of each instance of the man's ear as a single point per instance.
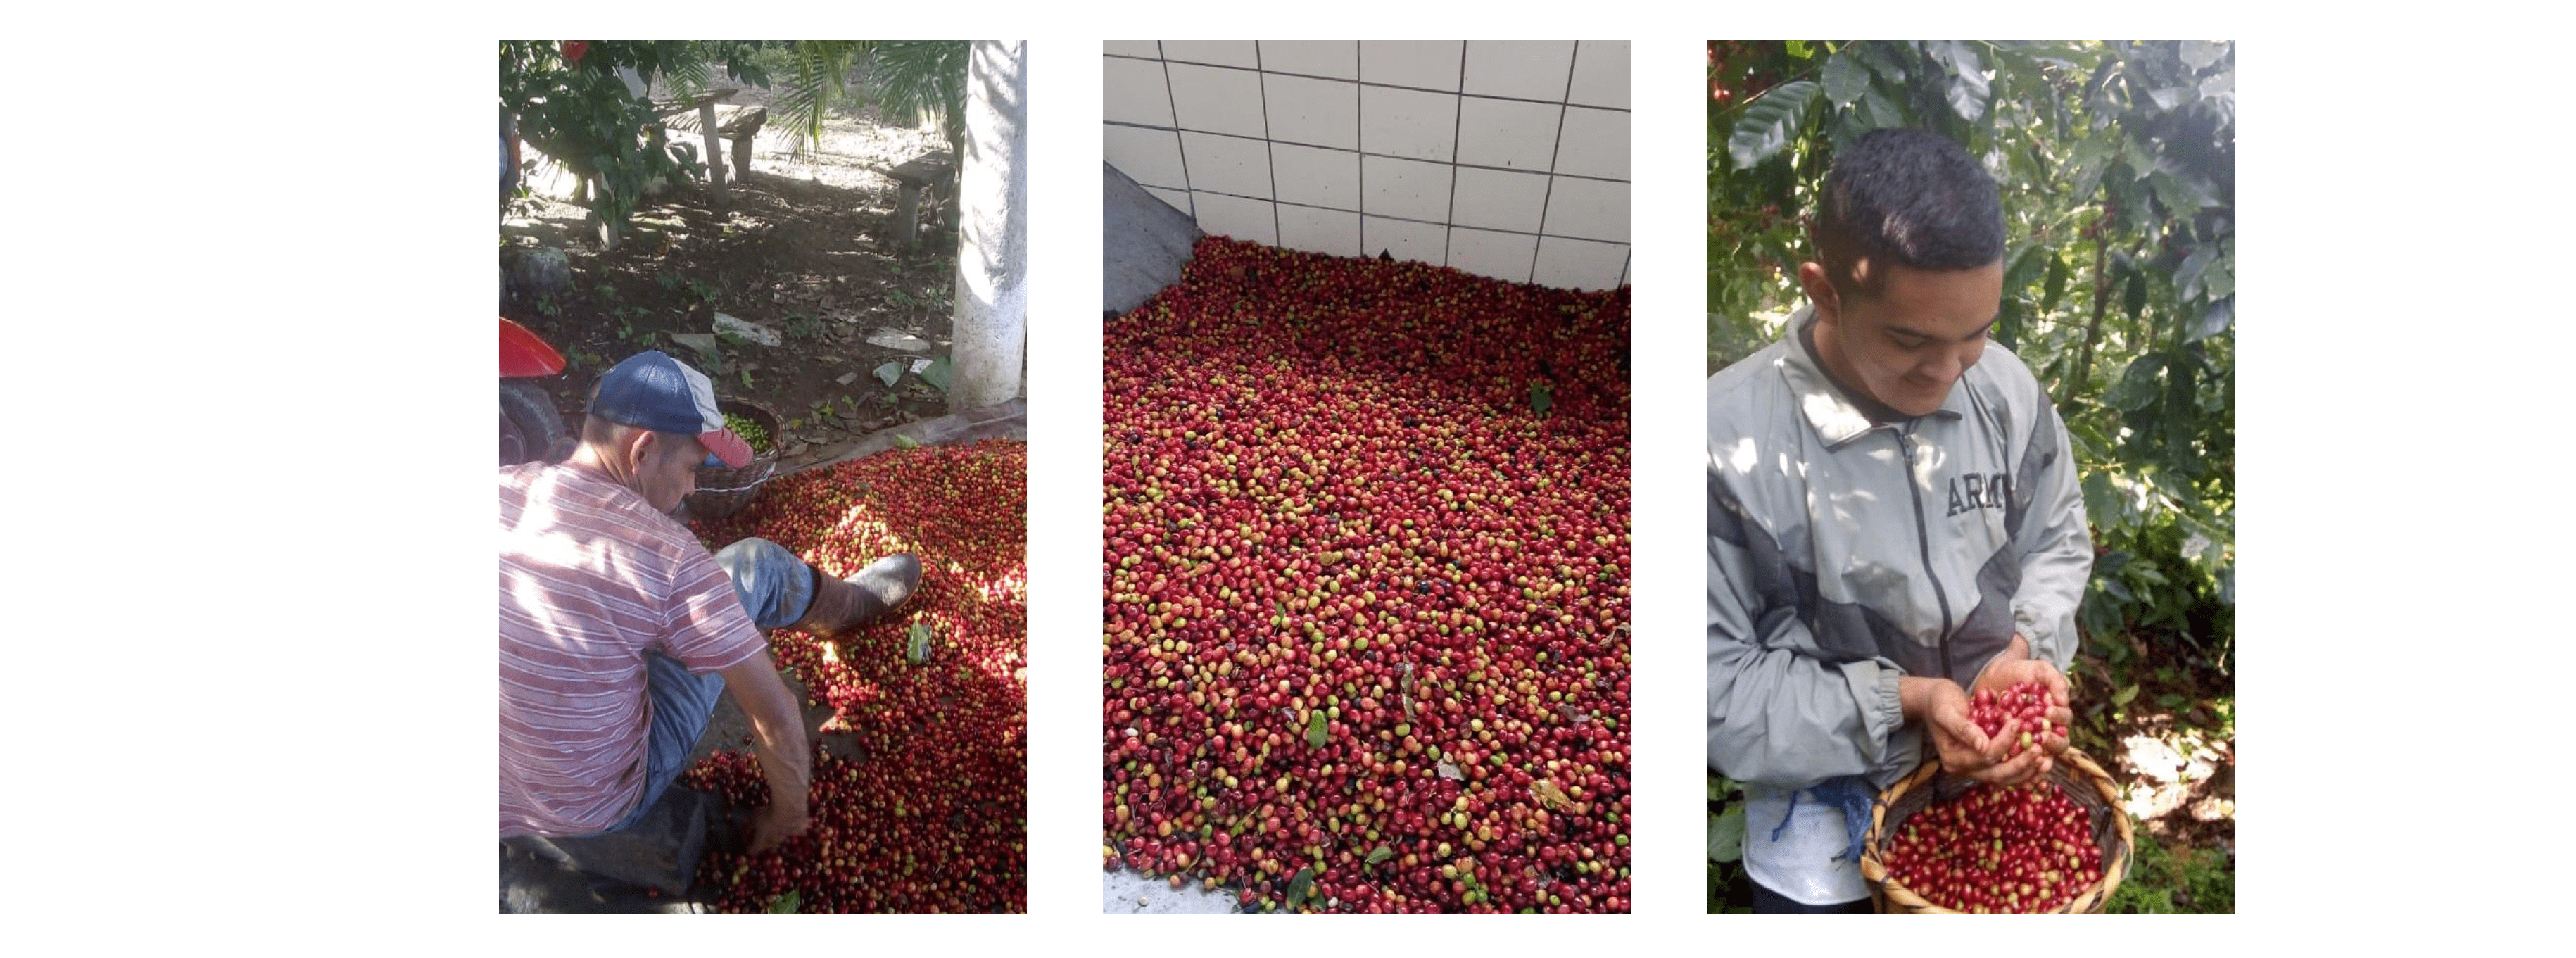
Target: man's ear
(639, 448)
(1820, 291)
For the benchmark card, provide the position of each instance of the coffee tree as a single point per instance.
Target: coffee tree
(2117, 165)
(572, 101)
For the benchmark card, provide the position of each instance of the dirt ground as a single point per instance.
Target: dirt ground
(805, 247)
(2178, 760)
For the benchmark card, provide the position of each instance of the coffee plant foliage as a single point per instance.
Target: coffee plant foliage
(572, 103)
(1729, 888)
(2117, 166)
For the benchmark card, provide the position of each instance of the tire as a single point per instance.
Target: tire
(531, 430)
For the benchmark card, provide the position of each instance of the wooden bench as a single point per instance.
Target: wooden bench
(715, 124)
(933, 171)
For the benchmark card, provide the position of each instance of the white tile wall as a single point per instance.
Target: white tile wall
(1406, 239)
(1216, 99)
(1506, 159)
(1410, 189)
(1580, 264)
(1508, 133)
(1180, 199)
(1135, 92)
(1429, 64)
(1503, 256)
(1313, 112)
(1499, 199)
(1237, 217)
(1594, 143)
(1338, 59)
(1524, 69)
(1227, 164)
(1148, 156)
(1225, 53)
(1587, 209)
(1408, 123)
(1319, 231)
(1313, 177)
(1600, 74)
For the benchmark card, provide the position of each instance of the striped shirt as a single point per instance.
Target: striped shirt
(591, 578)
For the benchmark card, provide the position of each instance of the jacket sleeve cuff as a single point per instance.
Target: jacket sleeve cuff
(1882, 709)
(2050, 638)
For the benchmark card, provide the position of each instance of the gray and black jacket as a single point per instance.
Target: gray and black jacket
(1844, 554)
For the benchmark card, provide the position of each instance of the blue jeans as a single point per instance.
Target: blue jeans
(775, 587)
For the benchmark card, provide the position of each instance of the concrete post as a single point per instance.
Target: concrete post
(992, 309)
(715, 150)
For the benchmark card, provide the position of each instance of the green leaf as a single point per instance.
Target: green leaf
(2199, 54)
(784, 904)
(1315, 730)
(1846, 78)
(919, 647)
(1770, 122)
(902, 441)
(890, 372)
(2220, 87)
(2024, 268)
(2167, 98)
(2221, 315)
(937, 373)
(2138, 384)
(2184, 195)
(1540, 398)
(1883, 60)
(1799, 49)
(1883, 113)
(2186, 277)
(1381, 853)
(2133, 299)
(2056, 290)
(2092, 158)
(1967, 92)
(1301, 887)
(1726, 835)
(2123, 696)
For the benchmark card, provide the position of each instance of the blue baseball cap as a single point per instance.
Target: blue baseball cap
(654, 391)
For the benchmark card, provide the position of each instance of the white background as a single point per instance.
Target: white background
(247, 282)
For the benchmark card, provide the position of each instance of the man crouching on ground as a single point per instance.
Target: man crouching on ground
(619, 630)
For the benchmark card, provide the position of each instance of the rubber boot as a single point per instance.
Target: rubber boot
(848, 603)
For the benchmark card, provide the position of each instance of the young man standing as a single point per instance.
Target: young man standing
(1894, 523)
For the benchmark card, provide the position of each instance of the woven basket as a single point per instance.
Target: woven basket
(722, 491)
(2072, 772)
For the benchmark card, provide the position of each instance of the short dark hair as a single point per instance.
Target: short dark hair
(603, 433)
(1907, 197)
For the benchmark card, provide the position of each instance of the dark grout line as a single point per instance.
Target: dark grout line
(1390, 86)
(1175, 104)
(1457, 123)
(1408, 219)
(1269, 147)
(1386, 156)
(1553, 149)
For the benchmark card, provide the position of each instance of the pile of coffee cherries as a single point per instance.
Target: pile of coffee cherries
(2024, 707)
(1365, 585)
(934, 816)
(1998, 849)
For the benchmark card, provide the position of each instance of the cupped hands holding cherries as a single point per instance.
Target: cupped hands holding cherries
(2007, 728)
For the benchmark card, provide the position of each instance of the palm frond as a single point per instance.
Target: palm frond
(818, 76)
(914, 80)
